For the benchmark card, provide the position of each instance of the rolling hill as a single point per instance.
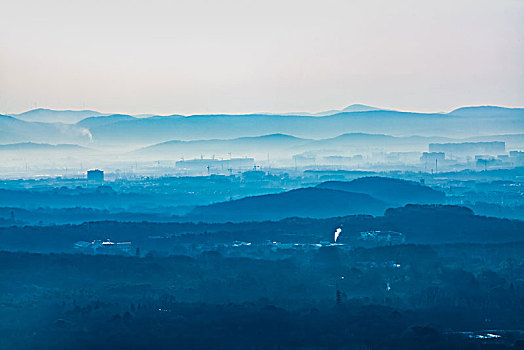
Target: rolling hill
(259, 145)
(450, 224)
(304, 202)
(399, 192)
(361, 108)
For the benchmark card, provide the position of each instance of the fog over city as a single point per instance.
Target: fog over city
(262, 175)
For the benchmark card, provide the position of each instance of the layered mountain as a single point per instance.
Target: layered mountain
(199, 127)
(131, 131)
(13, 130)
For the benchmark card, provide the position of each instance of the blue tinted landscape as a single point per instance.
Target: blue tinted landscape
(355, 229)
(262, 175)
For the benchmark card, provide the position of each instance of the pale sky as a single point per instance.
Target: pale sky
(236, 56)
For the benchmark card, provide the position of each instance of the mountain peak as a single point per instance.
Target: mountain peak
(360, 108)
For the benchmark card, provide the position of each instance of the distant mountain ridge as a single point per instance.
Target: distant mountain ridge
(30, 146)
(485, 110)
(351, 108)
(74, 116)
(201, 127)
(44, 115)
(126, 129)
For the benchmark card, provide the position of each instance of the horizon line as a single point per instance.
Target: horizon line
(291, 113)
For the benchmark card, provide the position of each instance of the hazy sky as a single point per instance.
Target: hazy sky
(237, 56)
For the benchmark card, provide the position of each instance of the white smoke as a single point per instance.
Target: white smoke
(337, 233)
(73, 132)
(86, 132)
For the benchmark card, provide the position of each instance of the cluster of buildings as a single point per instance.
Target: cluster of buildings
(467, 149)
(104, 247)
(211, 165)
(483, 154)
(439, 157)
(380, 238)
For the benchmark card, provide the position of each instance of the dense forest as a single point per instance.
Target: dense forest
(366, 264)
(395, 297)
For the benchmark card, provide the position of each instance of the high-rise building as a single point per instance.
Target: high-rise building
(95, 175)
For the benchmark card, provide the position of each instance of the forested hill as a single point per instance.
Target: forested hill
(389, 190)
